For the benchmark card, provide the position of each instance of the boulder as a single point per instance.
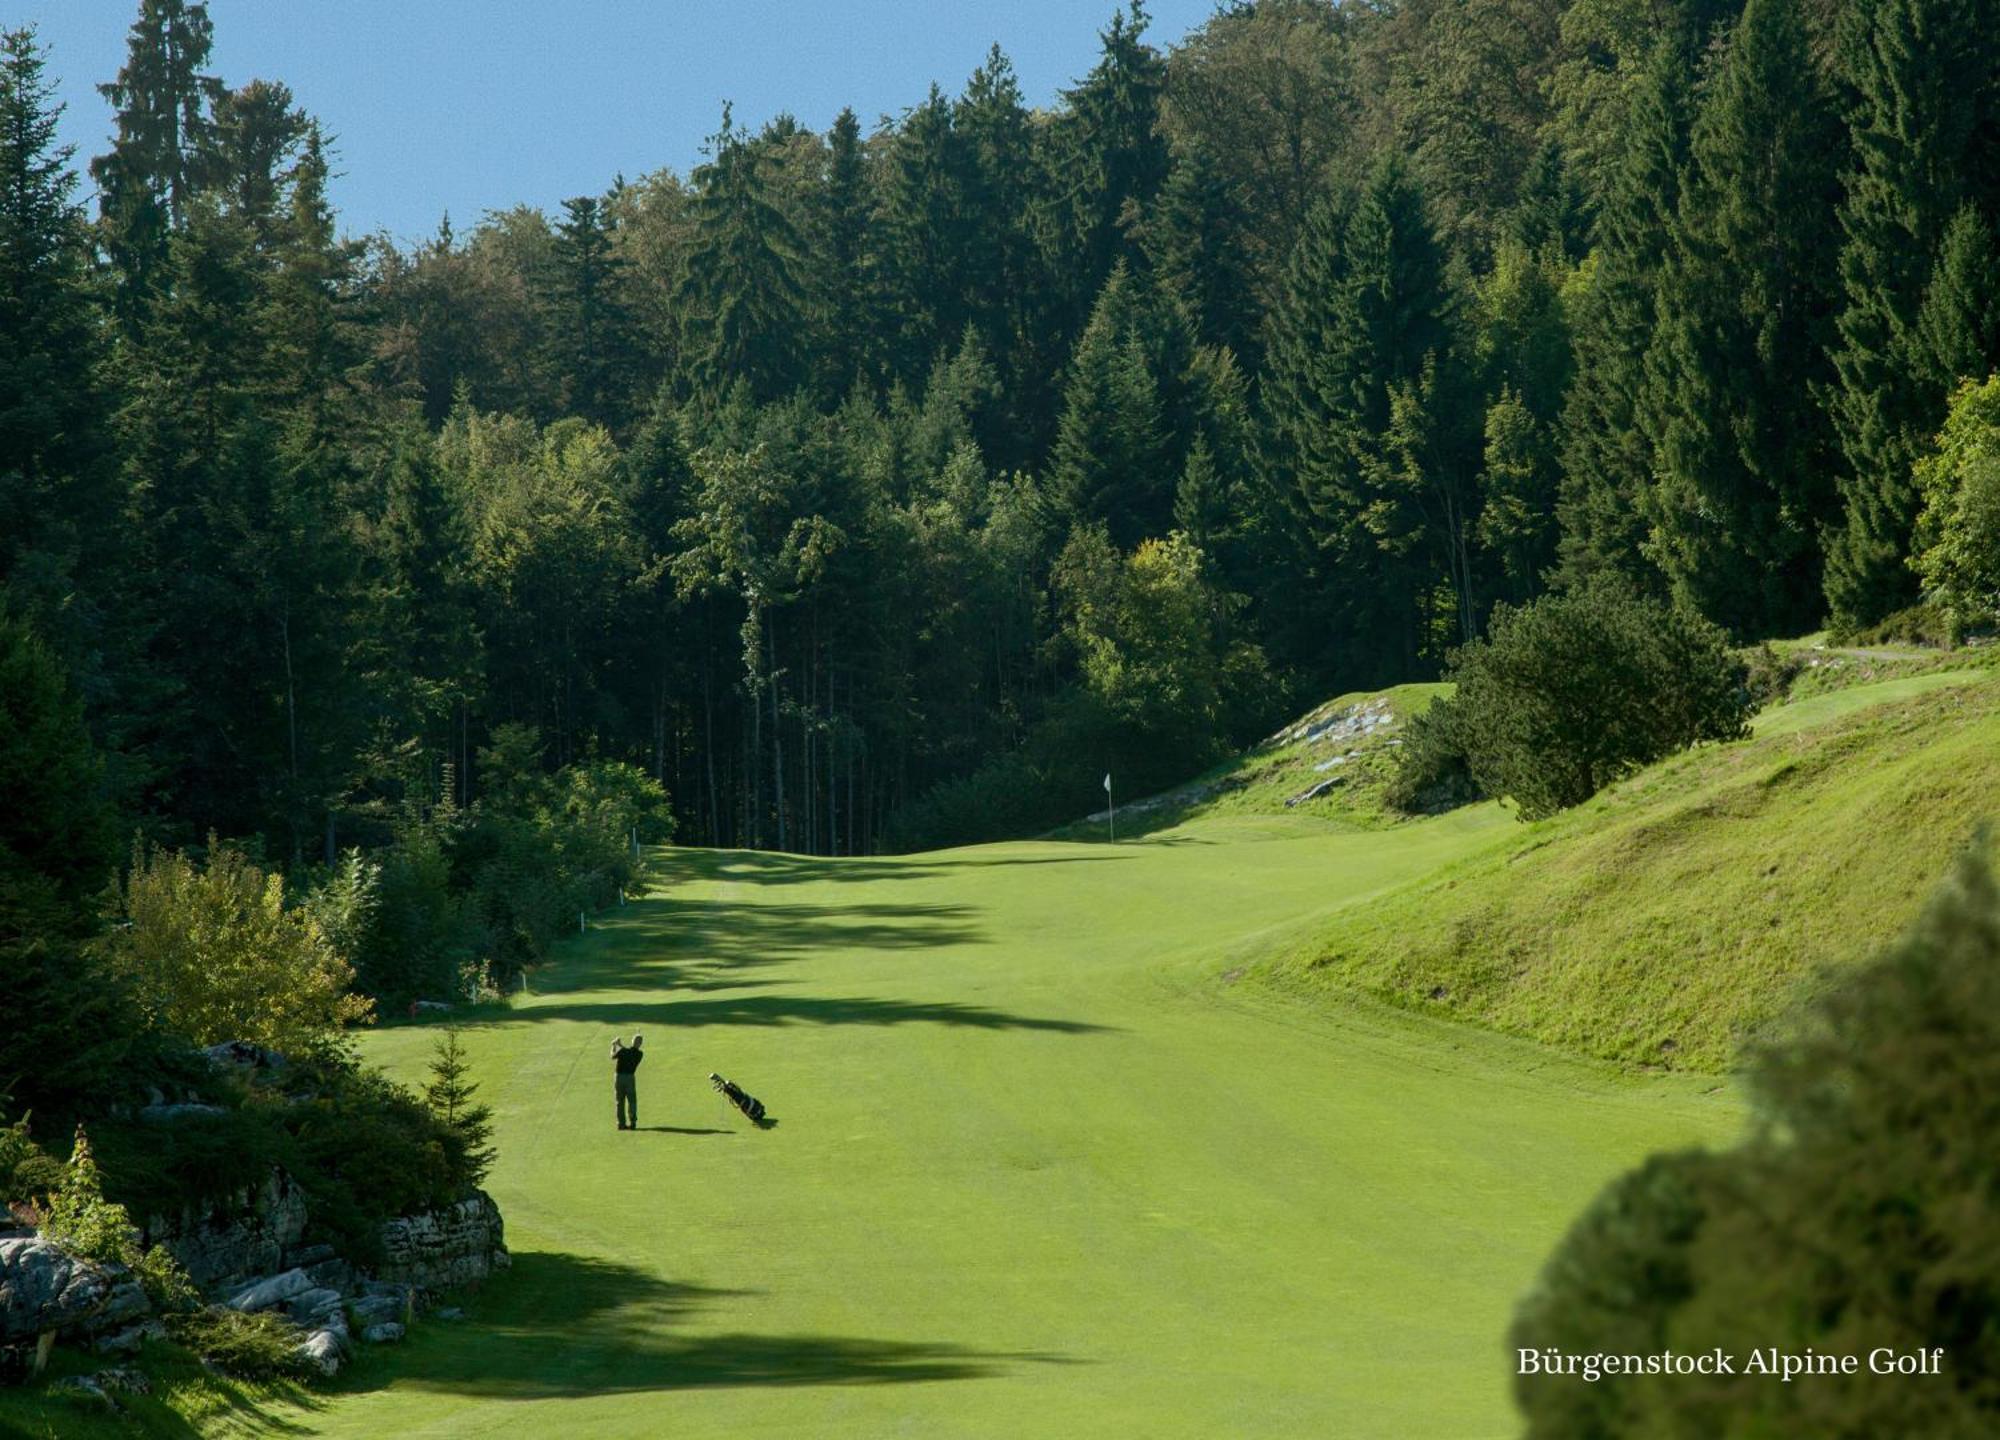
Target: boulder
(385, 1333)
(123, 1381)
(312, 1305)
(270, 1292)
(126, 1302)
(325, 1351)
(43, 1288)
(131, 1340)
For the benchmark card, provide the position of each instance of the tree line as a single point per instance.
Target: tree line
(883, 484)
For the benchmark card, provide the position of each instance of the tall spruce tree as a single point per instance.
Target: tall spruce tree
(1352, 378)
(163, 154)
(1607, 461)
(1924, 81)
(58, 490)
(744, 304)
(1741, 449)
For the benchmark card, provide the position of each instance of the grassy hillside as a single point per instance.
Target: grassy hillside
(1666, 920)
(1330, 764)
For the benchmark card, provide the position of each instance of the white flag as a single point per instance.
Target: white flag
(1107, 782)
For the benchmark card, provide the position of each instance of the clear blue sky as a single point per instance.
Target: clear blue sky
(473, 105)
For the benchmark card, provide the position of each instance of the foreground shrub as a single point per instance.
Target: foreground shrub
(1859, 1215)
(249, 1347)
(1433, 772)
(85, 1223)
(1574, 691)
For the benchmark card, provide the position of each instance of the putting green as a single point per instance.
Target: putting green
(1040, 1168)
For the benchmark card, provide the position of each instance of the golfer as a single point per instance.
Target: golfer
(625, 1059)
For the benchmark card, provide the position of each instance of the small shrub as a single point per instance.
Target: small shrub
(1768, 673)
(1433, 772)
(250, 1347)
(449, 1096)
(85, 1223)
(1924, 624)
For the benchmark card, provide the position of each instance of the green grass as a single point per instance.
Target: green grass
(1039, 1169)
(1667, 920)
(1060, 1150)
(1275, 778)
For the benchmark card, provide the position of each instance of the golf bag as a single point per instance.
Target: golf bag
(750, 1105)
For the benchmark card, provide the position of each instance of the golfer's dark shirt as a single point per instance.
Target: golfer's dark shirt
(628, 1060)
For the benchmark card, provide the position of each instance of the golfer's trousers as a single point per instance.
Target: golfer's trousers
(628, 1100)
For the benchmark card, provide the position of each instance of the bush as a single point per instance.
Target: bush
(1768, 673)
(85, 1223)
(1859, 1214)
(1572, 692)
(212, 954)
(1957, 542)
(250, 1347)
(1433, 772)
(28, 1173)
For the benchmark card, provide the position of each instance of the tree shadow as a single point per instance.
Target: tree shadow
(565, 1326)
(775, 1010)
(774, 867)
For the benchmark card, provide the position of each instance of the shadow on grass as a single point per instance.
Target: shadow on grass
(768, 1010)
(563, 1326)
(768, 867)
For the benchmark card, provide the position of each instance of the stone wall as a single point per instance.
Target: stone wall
(225, 1243)
(445, 1249)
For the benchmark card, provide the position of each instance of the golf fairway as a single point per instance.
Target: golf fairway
(1039, 1169)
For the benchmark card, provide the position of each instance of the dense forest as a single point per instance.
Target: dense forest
(885, 485)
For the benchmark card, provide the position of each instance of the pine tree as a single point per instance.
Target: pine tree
(1607, 461)
(58, 488)
(924, 230)
(449, 1096)
(1741, 450)
(1924, 76)
(1365, 317)
(1956, 336)
(842, 258)
(1111, 457)
(593, 321)
(163, 155)
(744, 302)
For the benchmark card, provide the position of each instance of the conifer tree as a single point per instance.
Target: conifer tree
(1363, 319)
(1924, 76)
(58, 490)
(842, 255)
(1741, 450)
(743, 298)
(163, 154)
(594, 323)
(1607, 462)
(449, 1095)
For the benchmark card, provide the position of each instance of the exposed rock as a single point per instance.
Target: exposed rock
(43, 1289)
(325, 1351)
(448, 1312)
(374, 1309)
(131, 1340)
(126, 1302)
(270, 1292)
(83, 1387)
(245, 1235)
(445, 1249)
(334, 1274)
(123, 1381)
(383, 1334)
(310, 1306)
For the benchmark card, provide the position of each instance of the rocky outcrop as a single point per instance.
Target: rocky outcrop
(230, 1242)
(445, 1249)
(44, 1288)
